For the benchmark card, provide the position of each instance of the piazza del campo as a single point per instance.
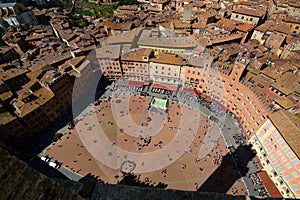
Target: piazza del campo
(198, 96)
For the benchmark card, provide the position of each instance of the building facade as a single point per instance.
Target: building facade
(166, 69)
(135, 65)
(109, 61)
(249, 15)
(293, 23)
(277, 156)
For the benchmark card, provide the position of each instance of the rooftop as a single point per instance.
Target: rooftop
(285, 102)
(5, 49)
(168, 58)
(291, 81)
(264, 27)
(108, 52)
(261, 87)
(10, 72)
(158, 39)
(6, 95)
(29, 101)
(250, 11)
(6, 117)
(125, 37)
(292, 19)
(137, 55)
(226, 24)
(245, 27)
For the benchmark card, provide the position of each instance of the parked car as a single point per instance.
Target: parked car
(45, 158)
(54, 165)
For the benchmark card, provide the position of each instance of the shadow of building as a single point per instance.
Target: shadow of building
(134, 180)
(228, 172)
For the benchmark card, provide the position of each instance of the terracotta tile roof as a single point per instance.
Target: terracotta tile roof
(75, 62)
(292, 40)
(207, 14)
(198, 4)
(168, 58)
(119, 26)
(227, 24)
(12, 72)
(250, 12)
(48, 77)
(6, 117)
(270, 186)
(280, 27)
(179, 24)
(258, 162)
(264, 27)
(41, 96)
(51, 59)
(137, 55)
(202, 40)
(210, 29)
(245, 27)
(292, 19)
(271, 73)
(227, 38)
(282, 88)
(291, 81)
(200, 24)
(285, 103)
(6, 95)
(231, 49)
(260, 87)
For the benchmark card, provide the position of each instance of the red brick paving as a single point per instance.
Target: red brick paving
(183, 174)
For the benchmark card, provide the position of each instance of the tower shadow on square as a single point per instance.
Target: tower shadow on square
(228, 172)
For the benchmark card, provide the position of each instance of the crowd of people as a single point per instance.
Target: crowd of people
(144, 141)
(255, 179)
(217, 110)
(218, 159)
(263, 192)
(127, 88)
(162, 91)
(189, 97)
(239, 139)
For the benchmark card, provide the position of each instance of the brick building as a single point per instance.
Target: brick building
(249, 15)
(276, 144)
(227, 90)
(293, 23)
(165, 69)
(109, 61)
(135, 65)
